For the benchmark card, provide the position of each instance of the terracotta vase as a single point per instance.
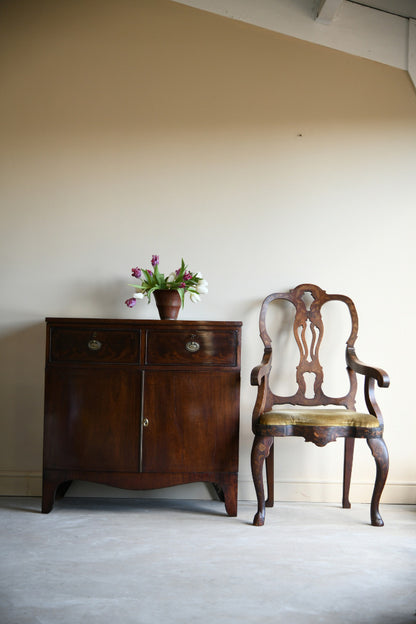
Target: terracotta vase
(168, 303)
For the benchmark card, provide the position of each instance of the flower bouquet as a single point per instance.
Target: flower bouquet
(182, 281)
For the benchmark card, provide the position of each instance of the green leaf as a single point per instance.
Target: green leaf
(151, 291)
(148, 276)
(160, 279)
(181, 292)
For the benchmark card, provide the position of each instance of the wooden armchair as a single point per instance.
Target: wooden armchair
(309, 415)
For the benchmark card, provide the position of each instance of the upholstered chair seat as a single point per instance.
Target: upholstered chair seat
(318, 418)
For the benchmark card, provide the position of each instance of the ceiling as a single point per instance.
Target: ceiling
(379, 30)
(403, 8)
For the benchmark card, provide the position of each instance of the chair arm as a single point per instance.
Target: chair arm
(262, 370)
(378, 374)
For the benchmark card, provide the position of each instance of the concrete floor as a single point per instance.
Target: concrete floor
(138, 561)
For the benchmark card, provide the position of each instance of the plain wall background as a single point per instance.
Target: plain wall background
(132, 128)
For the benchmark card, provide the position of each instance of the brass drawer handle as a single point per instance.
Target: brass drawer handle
(94, 345)
(146, 422)
(192, 346)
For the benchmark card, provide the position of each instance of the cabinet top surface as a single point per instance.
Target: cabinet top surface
(155, 323)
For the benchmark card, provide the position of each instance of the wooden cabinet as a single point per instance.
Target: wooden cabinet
(141, 404)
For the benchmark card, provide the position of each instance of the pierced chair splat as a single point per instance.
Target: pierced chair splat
(309, 412)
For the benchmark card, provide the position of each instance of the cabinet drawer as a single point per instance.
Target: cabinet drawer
(93, 345)
(203, 347)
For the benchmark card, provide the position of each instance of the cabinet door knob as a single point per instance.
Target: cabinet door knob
(146, 422)
(94, 345)
(192, 346)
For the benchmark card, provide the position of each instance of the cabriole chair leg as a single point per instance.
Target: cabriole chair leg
(381, 456)
(260, 450)
(348, 457)
(270, 476)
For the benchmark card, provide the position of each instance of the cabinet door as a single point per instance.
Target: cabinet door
(191, 421)
(92, 418)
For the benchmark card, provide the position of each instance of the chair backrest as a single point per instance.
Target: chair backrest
(308, 300)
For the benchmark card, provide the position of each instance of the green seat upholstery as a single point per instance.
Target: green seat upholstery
(318, 418)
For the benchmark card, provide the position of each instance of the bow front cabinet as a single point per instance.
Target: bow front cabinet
(141, 405)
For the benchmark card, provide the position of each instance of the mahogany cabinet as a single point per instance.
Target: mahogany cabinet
(141, 404)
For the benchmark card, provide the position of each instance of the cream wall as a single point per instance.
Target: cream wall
(132, 128)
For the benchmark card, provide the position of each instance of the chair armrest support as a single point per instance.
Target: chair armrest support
(356, 365)
(262, 370)
(260, 378)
